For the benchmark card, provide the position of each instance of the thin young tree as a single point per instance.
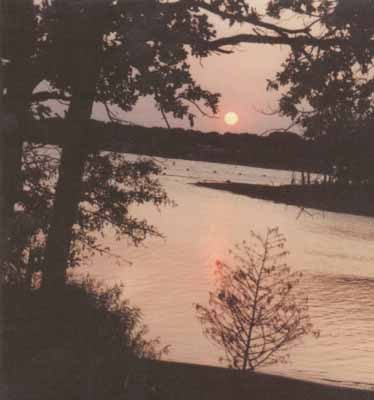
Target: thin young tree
(256, 312)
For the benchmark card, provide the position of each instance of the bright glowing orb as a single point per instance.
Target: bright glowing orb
(231, 118)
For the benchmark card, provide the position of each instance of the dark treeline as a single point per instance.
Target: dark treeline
(349, 157)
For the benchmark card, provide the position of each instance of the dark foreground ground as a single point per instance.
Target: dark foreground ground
(196, 382)
(177, 381)
(84, 341)
(358, 200)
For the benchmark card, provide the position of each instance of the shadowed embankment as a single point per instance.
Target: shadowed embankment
(86, 343)
(357, 200)
(198, 382)
(161, 380)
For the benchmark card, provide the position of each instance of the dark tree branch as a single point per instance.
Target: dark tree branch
(301, 41)
(46, 95)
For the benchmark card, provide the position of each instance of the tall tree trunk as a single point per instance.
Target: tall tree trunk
(67, 197)
(3, 226)
(17, 103)
(302, 178)
(73, 159)
(8, 127)
(16, 120)
(19, 78)
(13, 111)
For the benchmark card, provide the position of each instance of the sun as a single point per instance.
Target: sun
(231, 118)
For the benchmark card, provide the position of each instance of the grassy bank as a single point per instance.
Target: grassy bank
(357, 200)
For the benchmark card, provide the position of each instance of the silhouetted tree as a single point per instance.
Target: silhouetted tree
(96, 59)
(115, 52)
(255, 313)
(330, 90)
(100, 62)
(106, 205)
(17, 44)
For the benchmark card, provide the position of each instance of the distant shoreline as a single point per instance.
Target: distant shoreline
(355, 200)
(189, 381)
(281, 150)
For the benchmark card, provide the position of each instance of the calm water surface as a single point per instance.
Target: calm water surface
(335, 252)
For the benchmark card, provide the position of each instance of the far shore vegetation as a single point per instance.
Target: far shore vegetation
(334, 197)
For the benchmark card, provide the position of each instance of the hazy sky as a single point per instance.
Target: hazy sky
(239, 77)
(241, 80)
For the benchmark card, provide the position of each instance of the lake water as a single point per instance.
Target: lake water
(334, 251)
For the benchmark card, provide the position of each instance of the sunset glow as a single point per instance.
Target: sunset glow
(231, 118)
